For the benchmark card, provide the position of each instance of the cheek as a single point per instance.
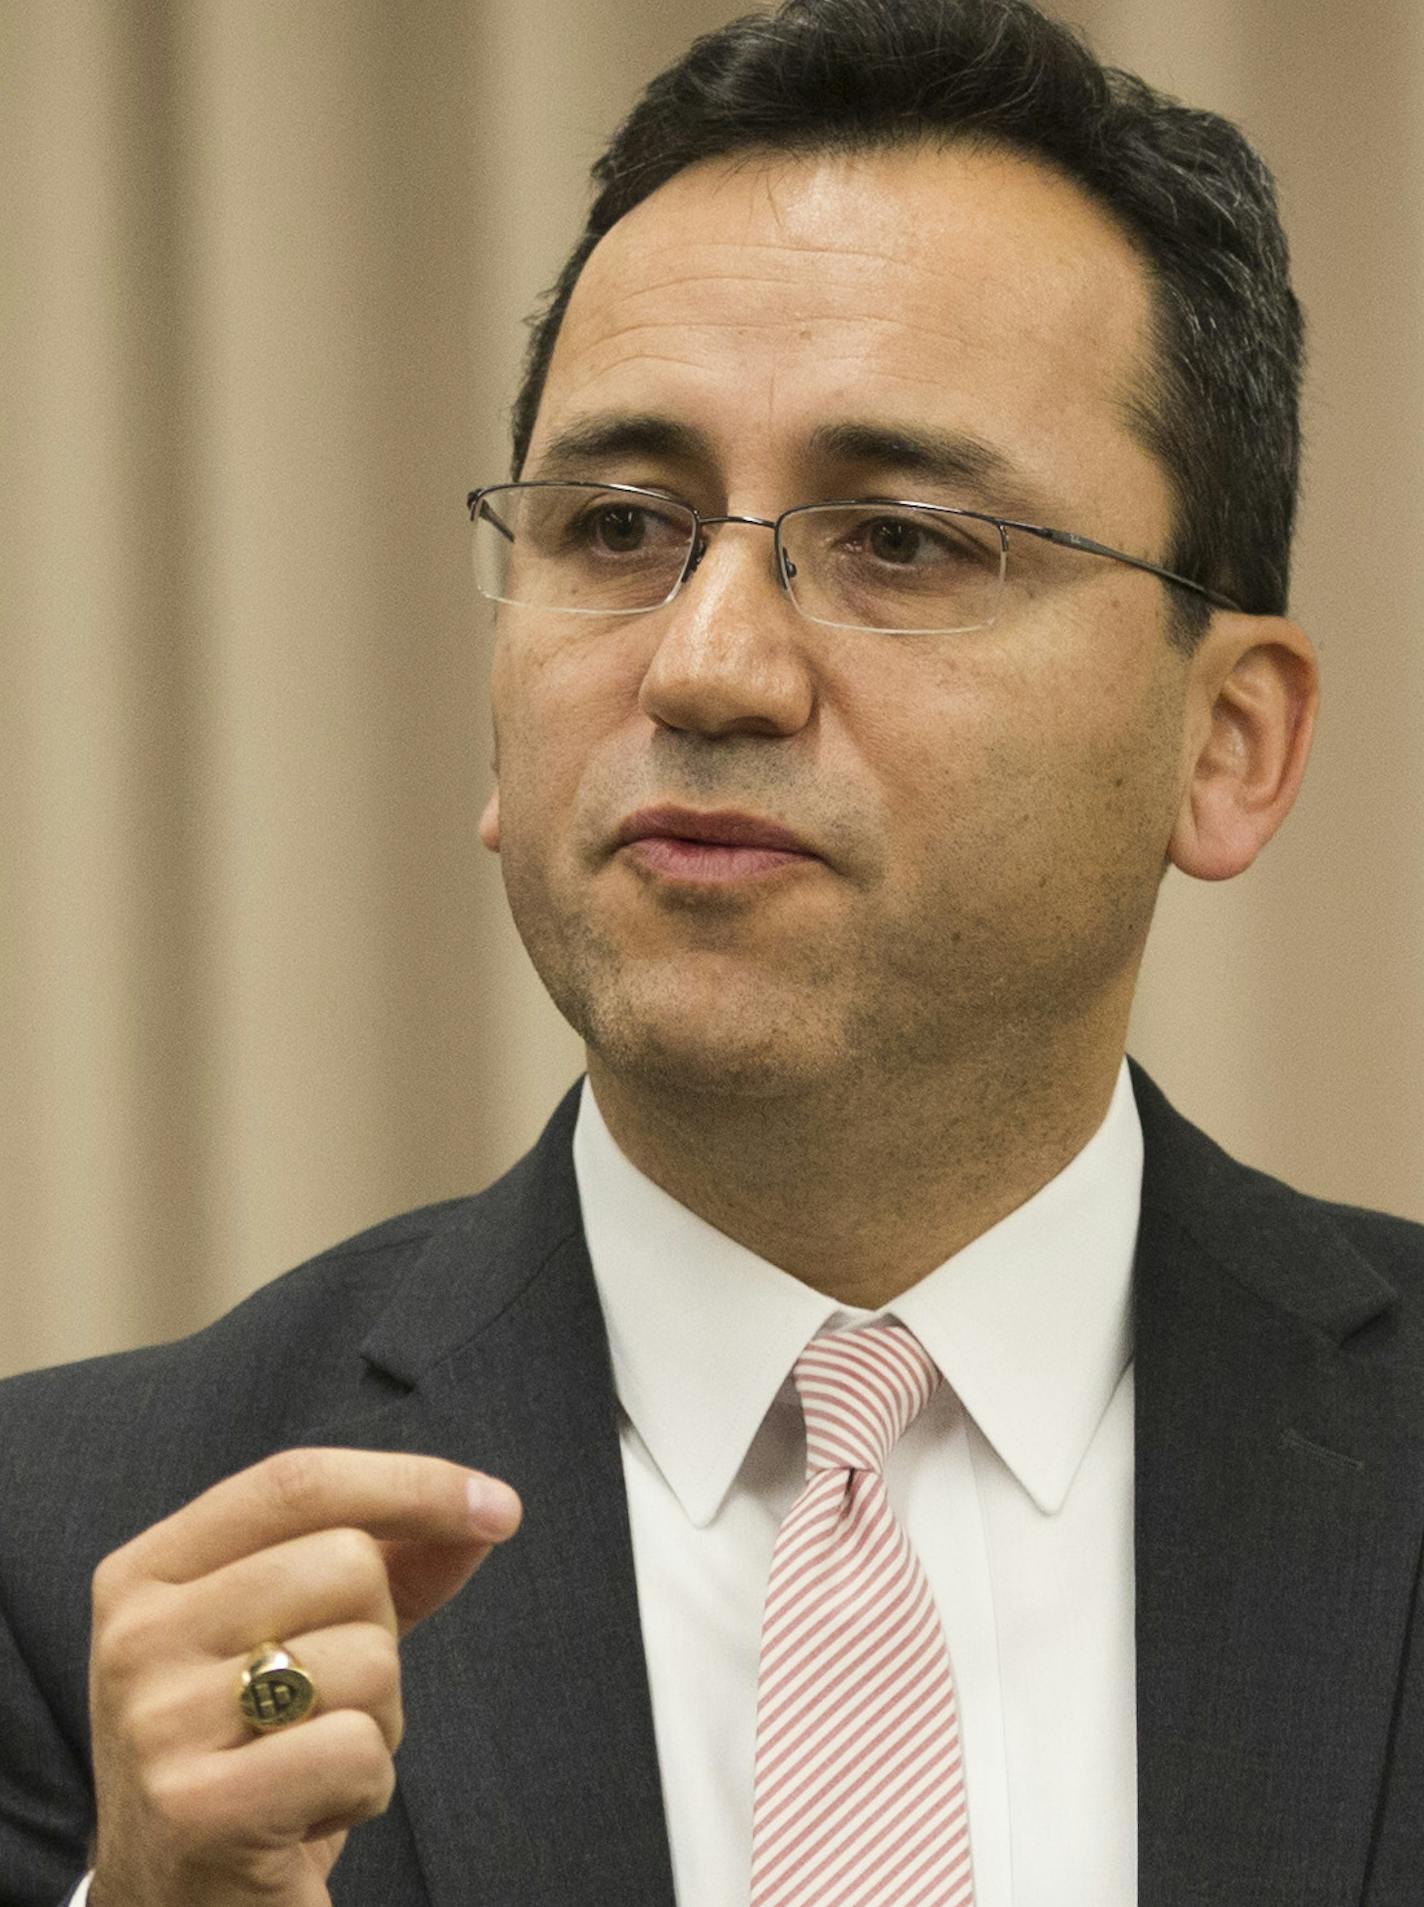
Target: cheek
(954, 736)
(1104, 793)
(557, 701)
(1023, 770)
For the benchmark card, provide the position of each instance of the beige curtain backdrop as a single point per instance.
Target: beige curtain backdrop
(264, 267)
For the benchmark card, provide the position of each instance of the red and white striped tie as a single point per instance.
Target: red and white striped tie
(859, 1796)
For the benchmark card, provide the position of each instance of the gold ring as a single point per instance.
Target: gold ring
(275, 1690)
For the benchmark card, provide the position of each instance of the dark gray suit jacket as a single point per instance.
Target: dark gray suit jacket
(1280, 1511)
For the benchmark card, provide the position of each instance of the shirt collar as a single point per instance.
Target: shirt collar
(1030, 1323)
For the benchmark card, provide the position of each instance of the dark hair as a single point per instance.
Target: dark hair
(1221, 411)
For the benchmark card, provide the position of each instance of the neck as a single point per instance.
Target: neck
(862, 1189)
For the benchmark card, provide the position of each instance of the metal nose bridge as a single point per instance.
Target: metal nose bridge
(785, 568)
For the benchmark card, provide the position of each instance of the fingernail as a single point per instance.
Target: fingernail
(494, 1508)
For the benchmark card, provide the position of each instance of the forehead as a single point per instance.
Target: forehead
(762, 297)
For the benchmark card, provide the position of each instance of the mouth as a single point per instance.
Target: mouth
(719, 846)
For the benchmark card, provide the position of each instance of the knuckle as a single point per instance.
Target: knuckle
(111, 1651)
(385, 1788)
(384, 1671)
(178, 1799)
(294, 1477)
(123, 1640)
(149, 1726)
(427, 1482)
(381, 1782)
(355, 1560)
(380, 1684)
(108, 1584)
(370, 1771)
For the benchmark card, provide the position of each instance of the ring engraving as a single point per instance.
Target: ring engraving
(275, 1690)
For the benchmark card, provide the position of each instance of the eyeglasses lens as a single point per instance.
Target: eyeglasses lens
(587, 550)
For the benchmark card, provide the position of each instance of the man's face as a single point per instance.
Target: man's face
(983, 817)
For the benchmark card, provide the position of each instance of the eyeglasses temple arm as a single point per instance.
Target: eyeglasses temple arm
(1069, 541)
(476, 505)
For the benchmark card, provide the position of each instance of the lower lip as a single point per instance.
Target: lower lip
(681, 860)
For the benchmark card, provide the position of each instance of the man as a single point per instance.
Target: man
(944, 1475)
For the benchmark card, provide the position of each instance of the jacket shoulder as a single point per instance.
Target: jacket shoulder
(147, 1429)
(317, 1311)
(93, 1452)
(1336, 1264)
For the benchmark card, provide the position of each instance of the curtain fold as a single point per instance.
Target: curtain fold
(265, 266)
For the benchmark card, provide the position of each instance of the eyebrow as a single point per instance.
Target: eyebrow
(955, 460)
(588, 441)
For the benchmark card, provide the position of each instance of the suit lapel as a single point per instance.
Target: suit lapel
(529, 1770)
(1277, 1535)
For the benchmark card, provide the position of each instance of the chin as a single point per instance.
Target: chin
(732, 1046)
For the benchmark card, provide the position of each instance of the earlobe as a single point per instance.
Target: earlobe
(1258, 684)
(489, 822)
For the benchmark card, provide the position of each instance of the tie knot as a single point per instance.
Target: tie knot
(861, 1389)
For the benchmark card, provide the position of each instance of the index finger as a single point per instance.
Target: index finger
(392, 1495)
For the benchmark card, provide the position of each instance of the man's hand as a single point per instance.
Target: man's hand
(333, 1553)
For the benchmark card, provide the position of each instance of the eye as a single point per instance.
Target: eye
(895, 539)
(908, 540)
(618, 527)
(614, 527)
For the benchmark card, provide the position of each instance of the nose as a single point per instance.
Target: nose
(731, 657)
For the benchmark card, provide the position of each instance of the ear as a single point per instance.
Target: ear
(489, 822)
(1253, 690)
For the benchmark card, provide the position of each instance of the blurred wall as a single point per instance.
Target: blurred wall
(264, 266)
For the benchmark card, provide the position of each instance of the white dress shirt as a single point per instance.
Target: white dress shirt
(1014, 1485)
